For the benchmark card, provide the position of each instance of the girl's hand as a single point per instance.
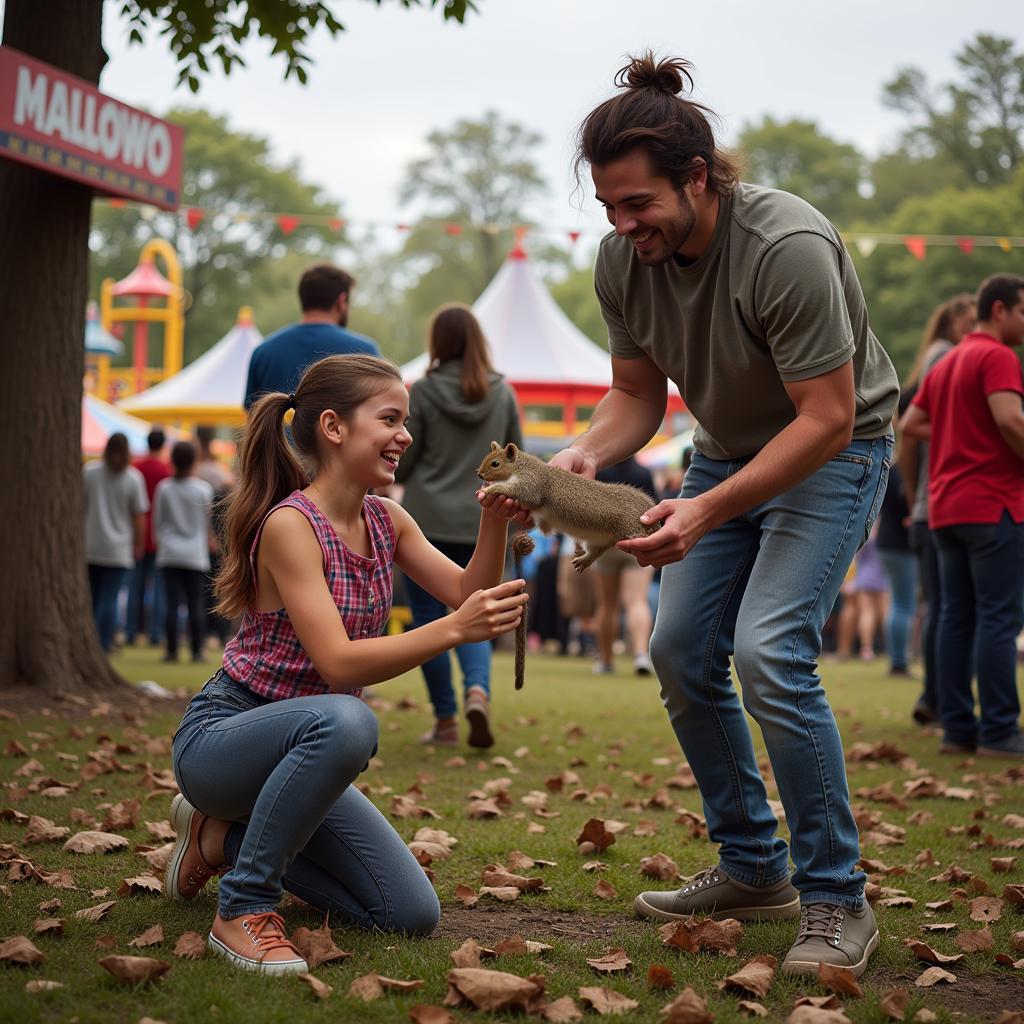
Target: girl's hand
(486, 614)
(499, 507)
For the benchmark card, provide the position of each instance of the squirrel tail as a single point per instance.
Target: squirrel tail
(522, 544)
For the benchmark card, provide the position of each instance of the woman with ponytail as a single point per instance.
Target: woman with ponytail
(266, 754)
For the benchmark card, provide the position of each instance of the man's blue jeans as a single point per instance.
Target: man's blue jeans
(105, 583)
(283, 772)
(982, 571)
(145, 600)
(474, 659)
(901, 568)
(759, 589)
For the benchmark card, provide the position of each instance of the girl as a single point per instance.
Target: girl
(266, 754)
(467, 405)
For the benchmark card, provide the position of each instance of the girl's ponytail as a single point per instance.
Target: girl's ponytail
(269, 472)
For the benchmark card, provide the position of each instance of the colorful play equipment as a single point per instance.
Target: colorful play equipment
(145, 297)
(209, 390)
(100, 348)
(558, 374)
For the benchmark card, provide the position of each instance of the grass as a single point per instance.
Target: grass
(617, 727)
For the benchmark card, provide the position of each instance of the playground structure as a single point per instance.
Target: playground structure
(145, 297)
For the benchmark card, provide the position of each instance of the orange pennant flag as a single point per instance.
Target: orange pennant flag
(916, 246)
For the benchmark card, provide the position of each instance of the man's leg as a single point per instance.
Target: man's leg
(955, 642)
(997, 568)
(690, 649)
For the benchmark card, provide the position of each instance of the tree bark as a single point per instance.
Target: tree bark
(47, 638)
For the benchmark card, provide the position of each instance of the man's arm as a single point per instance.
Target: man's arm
(915, 427)
(624, 420)
(1009, 416)
(825, 411)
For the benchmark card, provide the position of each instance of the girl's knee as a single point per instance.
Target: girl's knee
(415, 912)
(349, 726)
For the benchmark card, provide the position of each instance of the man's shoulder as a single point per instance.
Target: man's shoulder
(770, 215)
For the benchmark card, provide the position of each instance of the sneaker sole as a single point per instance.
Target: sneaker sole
(805, 967)
(777, 912)
(256, 966)
(181, 820)
(480, 734)
(996, 752)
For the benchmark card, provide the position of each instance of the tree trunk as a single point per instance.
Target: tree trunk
(47, 639)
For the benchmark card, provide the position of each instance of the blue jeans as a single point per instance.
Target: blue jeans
(282, 771)
(901, 568)
(759, 588)
(982, 569)
(474, 659)
(922, 540)
(105, 583)
(145, 602)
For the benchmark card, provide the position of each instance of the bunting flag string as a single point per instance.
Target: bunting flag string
(865, 242)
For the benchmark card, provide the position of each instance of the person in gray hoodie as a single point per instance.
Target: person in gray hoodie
(455, 411)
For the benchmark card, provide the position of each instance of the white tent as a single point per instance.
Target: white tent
(209, 390)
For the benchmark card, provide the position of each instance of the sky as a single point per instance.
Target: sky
(378, 88)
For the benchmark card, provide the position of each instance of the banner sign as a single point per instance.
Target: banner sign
(62, 124)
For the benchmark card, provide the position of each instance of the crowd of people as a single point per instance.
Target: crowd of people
(745, 298)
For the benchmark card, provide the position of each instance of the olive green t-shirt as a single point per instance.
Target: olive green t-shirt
(773, 299)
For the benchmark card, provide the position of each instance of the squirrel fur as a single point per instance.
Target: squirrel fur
(595, 514)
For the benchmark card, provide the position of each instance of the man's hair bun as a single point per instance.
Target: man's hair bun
(645, 72)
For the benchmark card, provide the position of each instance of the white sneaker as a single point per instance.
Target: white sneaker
(642, 665)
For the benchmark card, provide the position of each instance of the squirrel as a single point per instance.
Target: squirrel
(594, 513)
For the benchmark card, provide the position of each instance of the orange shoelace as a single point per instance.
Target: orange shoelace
(267, 932)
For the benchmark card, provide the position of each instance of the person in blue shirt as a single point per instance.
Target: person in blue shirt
(279, 361)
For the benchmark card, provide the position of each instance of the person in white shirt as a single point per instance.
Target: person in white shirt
(181, 526)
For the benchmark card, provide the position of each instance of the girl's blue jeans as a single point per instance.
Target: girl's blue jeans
(758, 589)
(282, 771)
(474, 659)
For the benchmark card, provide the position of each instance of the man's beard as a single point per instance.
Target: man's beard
(675, 239)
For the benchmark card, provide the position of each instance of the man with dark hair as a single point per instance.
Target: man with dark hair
(747, 299)
(969, 410)
(146, 589)
(279, 361)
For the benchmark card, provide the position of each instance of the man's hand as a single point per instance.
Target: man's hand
(575, 461)
(683, 524)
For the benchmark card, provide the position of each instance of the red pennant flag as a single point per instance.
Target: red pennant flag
(287, 223)
(193, 216)
(966, 245)
(916, 246)
(335, 224)
(117, 203)
(453, 229)
(574, 237)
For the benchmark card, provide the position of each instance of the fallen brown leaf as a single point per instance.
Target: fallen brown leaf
(95, 842)
(40, 985)
(930, 956)
(504, 893)
(816, 1015)
(320, 989)
(687, 1008)
(932, 976)
(975, 941)
(20, 950)
(470, 953)
(162, 830)
(894, 1002)
(986, 908)
(829, 1002)
(122, 815)
(494, 876)
(150, 937)
(1014, 894)
(605, 890)
(94, 914)
(925, 1016)
(371, 986)
(49, 926)
(754, 977)
(425, 1014)
(562, 1011)
(1002, 865)
(141, 885)
(596, 832)
(134, 970)
(1016, 940)
(492, 990)
(692, 934)
(484, 808)
(190, 946)
(514, 945)
(660, 977)
(1010, 1017)
(839, 979)
(595, 865)
(751, 1009)
(49, 906)
(316, 945)
(42, 830)
(659, 866)
(466, 895)
(606, 1001)
(613, 960)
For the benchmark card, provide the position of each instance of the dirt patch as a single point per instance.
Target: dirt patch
(125, 702)
(489, 922)
(979, 996)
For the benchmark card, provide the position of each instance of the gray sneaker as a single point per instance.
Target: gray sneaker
(713, 893)
(832, 935)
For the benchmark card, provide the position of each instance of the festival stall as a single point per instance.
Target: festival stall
(558, 374)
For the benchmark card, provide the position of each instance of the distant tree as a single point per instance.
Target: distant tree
(47, 640)
(977, 122)
(796, 156)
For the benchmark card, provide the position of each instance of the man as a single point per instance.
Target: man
(747, 300)
(279, 361)
(969, 409)
(153, 468)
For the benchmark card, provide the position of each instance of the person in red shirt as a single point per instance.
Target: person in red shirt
(970, 410)
(153, 468)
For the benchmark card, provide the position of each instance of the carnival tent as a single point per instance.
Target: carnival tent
(209, 390)
(100, 420)
(557, 372)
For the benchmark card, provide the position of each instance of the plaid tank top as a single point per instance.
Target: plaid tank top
(266, 655)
